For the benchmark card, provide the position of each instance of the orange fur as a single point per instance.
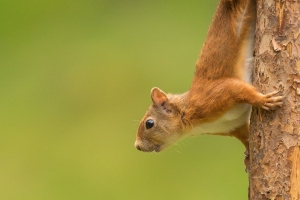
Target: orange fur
(219, 99)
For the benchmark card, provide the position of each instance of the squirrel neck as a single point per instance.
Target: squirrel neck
(189, 107)
(198, 105)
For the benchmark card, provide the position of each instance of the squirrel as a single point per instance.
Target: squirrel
(220, 99)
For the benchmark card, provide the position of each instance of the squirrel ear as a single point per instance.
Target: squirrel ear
(158, 96)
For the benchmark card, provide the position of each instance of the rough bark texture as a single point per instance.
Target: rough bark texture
(274, 140)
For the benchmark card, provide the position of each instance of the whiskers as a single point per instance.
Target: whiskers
(185, 142)
(181, 143)
(177, 145)
(136, 122)
(177, 151)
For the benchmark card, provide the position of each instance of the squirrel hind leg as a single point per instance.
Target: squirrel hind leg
(242, 133)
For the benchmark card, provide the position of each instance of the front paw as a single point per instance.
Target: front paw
(271, 101)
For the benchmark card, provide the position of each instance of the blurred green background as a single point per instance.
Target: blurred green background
(75, 81)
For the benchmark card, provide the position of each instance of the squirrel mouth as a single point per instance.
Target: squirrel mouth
(157, 148)
(149, 148)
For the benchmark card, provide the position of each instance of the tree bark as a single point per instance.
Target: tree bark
(274, 171)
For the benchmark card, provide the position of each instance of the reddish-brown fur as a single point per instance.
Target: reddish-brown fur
(218, 89)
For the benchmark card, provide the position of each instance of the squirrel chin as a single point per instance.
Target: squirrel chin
(156, 147)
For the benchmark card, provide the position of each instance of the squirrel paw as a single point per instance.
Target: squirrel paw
(271, 101)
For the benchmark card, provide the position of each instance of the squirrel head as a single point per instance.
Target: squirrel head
(163, 123)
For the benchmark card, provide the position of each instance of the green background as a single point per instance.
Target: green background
(75, 78)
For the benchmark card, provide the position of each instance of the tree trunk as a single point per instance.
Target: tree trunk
(274, 136)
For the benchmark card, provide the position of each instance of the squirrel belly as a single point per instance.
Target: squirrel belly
(228, 122)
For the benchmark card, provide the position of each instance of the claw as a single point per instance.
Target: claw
(271, 101)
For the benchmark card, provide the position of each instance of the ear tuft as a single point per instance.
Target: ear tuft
(158, 96)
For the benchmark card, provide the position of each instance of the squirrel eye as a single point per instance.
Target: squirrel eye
(149, 123)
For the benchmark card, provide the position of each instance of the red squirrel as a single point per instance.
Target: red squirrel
(221, 95)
